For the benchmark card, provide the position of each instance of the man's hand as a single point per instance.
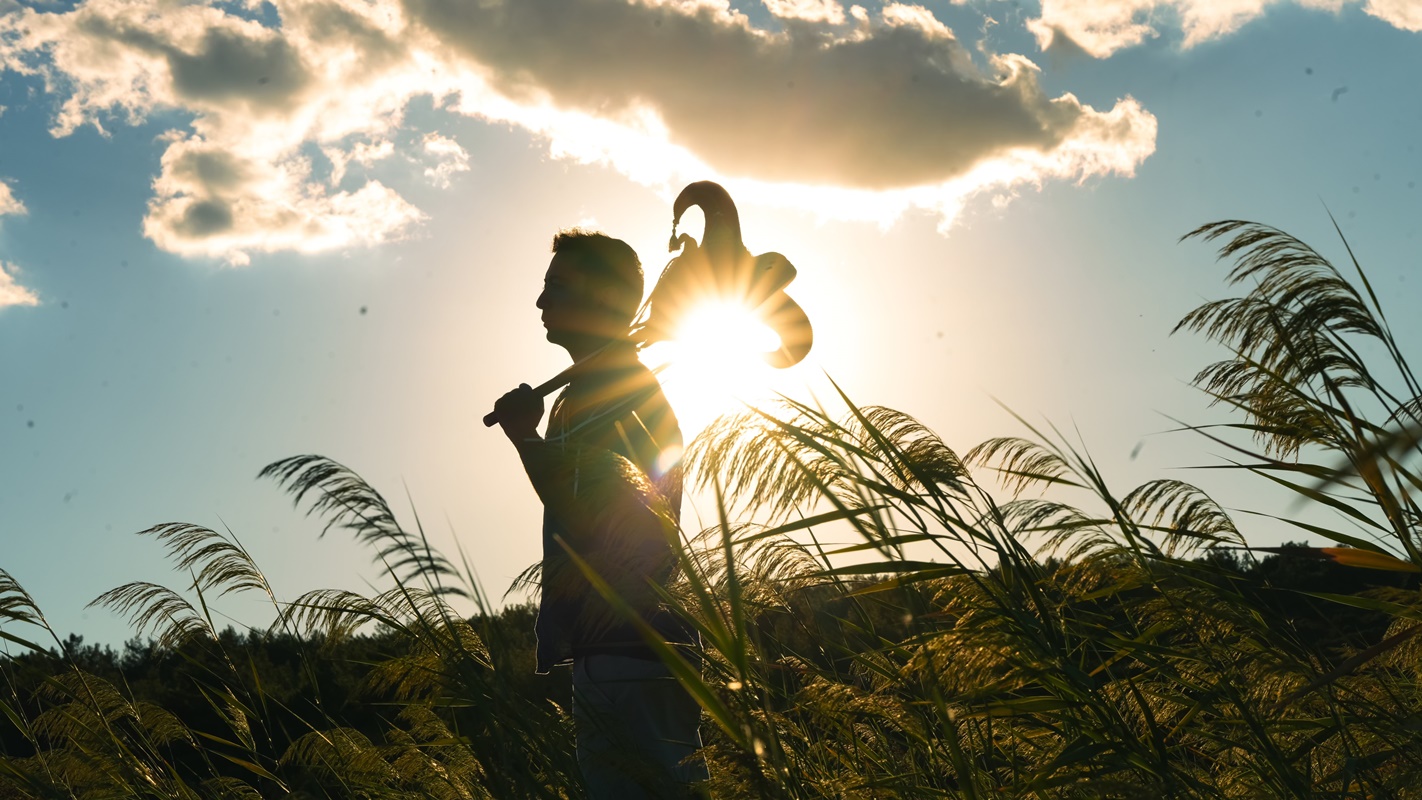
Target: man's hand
(519, 413)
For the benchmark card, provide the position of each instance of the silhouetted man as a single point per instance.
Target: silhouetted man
(606, 473)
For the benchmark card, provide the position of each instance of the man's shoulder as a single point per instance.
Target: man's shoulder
(615, 393)
(648, 409)
(626, 410)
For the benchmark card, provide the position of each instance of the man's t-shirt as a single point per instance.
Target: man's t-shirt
(614, 499)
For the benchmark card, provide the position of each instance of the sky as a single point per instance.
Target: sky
(234, 232)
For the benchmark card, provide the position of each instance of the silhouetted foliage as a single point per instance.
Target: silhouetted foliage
(1070, 640)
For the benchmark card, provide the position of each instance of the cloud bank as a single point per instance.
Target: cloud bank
(852, 113)
(1102, 27)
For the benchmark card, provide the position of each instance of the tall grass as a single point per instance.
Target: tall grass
(1069, 638)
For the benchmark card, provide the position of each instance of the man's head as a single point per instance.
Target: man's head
(592, 289)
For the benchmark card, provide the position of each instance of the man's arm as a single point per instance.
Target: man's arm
(519, 412)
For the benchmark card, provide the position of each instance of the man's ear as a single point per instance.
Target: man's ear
(604, 297)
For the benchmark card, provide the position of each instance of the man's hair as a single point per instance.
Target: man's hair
(607, 263)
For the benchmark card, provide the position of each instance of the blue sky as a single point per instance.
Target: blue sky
(237, 232)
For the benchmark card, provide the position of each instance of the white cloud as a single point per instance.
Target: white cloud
(447, 158)
(1101, 27)
(807, 10)
(886, 110)
(9, 203)
(215, 200)
(365, 154)
(900, 15)
(12, 293)
(1404, 14)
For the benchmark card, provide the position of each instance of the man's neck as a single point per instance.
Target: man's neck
(601, 353)
(612, 374)
(605, 370)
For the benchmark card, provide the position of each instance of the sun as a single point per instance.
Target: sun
(715, 364)
(724, 336)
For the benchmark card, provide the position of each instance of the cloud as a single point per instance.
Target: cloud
(1404, 14)
(889, 102)
(807, 10)
(221, 200)
(282, 115)
(9, 203)
(12, 293)
(446, 158)
(1101, 27)
(364, 154)
(237, 179)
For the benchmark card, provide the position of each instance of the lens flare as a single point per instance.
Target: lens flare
(724, 333)
(715, 363)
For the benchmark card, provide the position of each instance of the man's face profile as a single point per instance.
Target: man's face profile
(572, 313)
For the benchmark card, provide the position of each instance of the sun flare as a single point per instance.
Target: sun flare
(715, 363)
(724, 335)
